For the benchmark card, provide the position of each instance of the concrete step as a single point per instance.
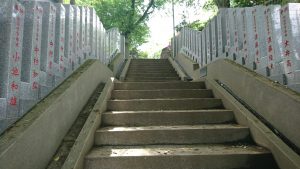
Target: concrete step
(164, 104)
(150, 72)
(150, 65)
(150, 61)
(134, 74)
(171, 117)
(152, 76)
(158, 85)
(162, 93)
(183, 134)
(180, 157)
(151, 68)
(138, 79)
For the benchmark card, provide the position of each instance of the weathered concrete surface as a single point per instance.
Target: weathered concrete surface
(178, 157)
(167, 93)
(165, 104)
(285, 157)
(137, 74)
(149, 128)
(125, 70)
(116, 64)
(170, 117)
(151, 79)
(85, 140)
(189, 66)
(183, 134)
(178, 69)
(277, 104)
(158, 85)
(33, 140)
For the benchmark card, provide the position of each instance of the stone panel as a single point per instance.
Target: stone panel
(31, 55)
(11, 41)
(59, 50)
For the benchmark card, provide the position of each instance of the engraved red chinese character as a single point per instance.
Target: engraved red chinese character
(269, 39)
(14, 86)
(289, 63)
(287, 53)
(15, 71)
(286, 43)
(50, 53)
(16, 57)
(50, 65)
(270, 48)
(35, 85)
(270, 57)
(34, 74)
(13, 101)
(36, 61)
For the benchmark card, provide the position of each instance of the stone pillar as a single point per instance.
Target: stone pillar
(103, 37)
(69, 40)
(290, 24)
(98, 38)
(88, 35)
(260, 55)
(11, 41)
(93, 32)
(214, 37)
(221, 32)
(82, 41)
(59, 50)
(229, 49)
(236, 20)
(274, 42)
(199, 48)
(203, 58)
(247, 52)
(47, 49)
(208, 43)
(31, 56)
(76, 29)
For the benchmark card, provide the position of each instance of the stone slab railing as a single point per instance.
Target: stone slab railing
(41, 44)
(265, 39)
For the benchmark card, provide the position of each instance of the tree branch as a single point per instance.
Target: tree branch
(145, 14)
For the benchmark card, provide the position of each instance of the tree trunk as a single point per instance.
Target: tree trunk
(72, 2)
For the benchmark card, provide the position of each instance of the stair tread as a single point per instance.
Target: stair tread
(180, 82)
(174, 150)
(157, 99)
(166, 111)
(173, 127)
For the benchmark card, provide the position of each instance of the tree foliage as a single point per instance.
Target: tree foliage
(130, 16)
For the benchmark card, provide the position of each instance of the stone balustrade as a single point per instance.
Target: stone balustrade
(265, 39)
(41, 44)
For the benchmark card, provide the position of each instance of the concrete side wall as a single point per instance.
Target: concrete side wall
(117, 64)
(183, 76)
(85, 140)
(31, 143)
(285, 157)
(277, 104)
(189, 66)
(125, 70)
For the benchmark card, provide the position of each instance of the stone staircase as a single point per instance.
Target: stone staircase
(155, 121)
